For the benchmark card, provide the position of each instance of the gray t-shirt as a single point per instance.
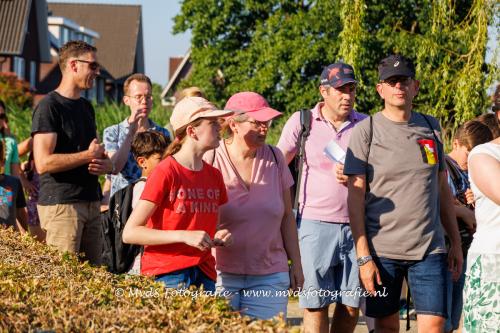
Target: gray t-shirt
(402, 205)
(11, 198)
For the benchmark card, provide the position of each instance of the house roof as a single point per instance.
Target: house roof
(14, 18)
(176, 77)
(120, 46)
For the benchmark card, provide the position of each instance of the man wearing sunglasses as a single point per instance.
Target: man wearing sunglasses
(118, 138)
(69, 157)
(325, 240)
(399, 202)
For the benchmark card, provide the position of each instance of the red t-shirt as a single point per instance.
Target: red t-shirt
(186, 200)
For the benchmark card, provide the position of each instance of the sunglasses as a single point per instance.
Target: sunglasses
(93, 65)
(392, 81)
(3, 116)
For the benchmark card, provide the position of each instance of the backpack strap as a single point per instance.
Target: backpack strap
(454, 175)
(274, 155)
(370, 139)
(140, 179)
(430, 126)
(275, 160)
(305, 130)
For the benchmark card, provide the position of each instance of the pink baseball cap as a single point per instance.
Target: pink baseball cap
(252, 103)
(191, 108)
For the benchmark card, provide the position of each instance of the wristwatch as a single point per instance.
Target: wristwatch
(363, 260)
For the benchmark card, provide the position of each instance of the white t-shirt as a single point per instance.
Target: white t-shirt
(486, 238)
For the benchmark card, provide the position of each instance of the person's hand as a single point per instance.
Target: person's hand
(339, 174)
(100, 166)
(455, 260)
(470, 221)
(198, 239)
(134, 119)
(96, 150)
(222, 238)
(469, 197)
(296, 276)
(28, 187)
(369, 273)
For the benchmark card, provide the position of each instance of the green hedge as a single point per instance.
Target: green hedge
(42, 289)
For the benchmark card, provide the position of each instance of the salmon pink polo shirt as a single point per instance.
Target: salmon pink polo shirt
(253, 214)
(321, 196)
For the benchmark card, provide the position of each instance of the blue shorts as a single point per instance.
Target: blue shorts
(184, 278)
(427, 280)
(331, 273)
(256, 296)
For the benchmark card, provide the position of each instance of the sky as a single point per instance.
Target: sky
(159, 42)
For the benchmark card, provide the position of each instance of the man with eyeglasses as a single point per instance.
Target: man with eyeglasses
(326, 244)
(399, 202)
(69, 157)
(118, 138)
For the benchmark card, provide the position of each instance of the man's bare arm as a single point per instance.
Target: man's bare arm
(368, 273)
(48, 162)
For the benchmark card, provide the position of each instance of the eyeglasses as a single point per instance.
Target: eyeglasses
(139, 98)
(93, 65)
(403, 80)
(257, 123)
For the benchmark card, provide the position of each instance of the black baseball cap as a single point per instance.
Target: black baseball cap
(337, 74)
(395, 65)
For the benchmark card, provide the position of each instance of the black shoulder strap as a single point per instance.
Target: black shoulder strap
(370, 139)
(305, 130)
(141, 179)
(430, 126)
(305, 122)
(274, 155)
(452, 170)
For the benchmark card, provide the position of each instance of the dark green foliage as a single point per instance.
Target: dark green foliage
(279, 47)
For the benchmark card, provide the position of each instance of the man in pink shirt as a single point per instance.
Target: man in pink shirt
(325, 239)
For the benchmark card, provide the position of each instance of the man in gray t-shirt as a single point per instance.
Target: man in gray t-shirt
(397, 223)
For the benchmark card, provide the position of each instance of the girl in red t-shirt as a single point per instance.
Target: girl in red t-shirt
(177, 214)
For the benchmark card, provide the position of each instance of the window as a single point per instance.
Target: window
(19, 67)
(88, 39)
(100, 90)
(65, 35)
(92, 93)
(33, 74)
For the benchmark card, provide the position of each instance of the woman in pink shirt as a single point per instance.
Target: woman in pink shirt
(259, 215)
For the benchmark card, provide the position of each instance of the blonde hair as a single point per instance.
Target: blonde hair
(226, 130)
(191, 92)
(180, 137)
(139, 77)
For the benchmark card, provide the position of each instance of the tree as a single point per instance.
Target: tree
(279, 47)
